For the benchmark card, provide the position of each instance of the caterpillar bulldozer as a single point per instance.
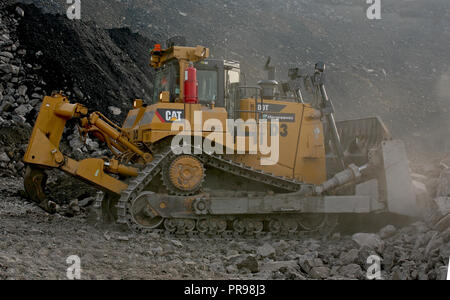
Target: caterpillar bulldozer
(163, 175)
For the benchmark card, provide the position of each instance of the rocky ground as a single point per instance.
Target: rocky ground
(35, 245)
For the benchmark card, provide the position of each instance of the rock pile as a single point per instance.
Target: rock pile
(99, 68)
(412, 252)
(20, 89)
(436, 180)
(29, 71)
(20, 93)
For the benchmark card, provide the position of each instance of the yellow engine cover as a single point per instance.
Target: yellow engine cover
(301, 137)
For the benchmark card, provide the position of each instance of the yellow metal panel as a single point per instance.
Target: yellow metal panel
(255, 162)
(311, 159)
(301, 148)
(155, 136)
(92, 171)
(40, 150)
(46, 134)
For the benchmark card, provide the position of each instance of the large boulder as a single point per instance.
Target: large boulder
(23, 109)
(320, 272)
(273, 266)
(439, 210)
(352, 271)
(266, 250)
(4, 157)
(435, 242)
(349, 257)
(307, 261)
(22, 90)
(387, 231)
(370, 240)
(240, 261)
(5, 68)
(250, 263)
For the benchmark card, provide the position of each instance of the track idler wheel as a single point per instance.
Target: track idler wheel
(143, 214)
(35, 181)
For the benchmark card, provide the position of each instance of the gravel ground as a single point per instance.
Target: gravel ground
(35, 245)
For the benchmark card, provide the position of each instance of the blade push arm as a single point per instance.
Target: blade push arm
(100, 125)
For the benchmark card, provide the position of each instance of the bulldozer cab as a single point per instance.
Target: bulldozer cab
(217, 82)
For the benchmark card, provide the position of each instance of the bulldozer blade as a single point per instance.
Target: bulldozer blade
(34, 182)
(358, 137)
(395, 185)
(397, 181)
(362, 134)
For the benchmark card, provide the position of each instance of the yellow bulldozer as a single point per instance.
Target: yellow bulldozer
(212, 155)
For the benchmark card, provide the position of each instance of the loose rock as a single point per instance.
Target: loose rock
(4, 157)
(387, 232)
(320, 272)
(351, 271)
(249, 263)
(370, 240)
(266, 250)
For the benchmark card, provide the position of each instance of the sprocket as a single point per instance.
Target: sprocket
(183, 175)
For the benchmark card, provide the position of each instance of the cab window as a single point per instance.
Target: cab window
(167, 80)
(161, 84)
(207, 85)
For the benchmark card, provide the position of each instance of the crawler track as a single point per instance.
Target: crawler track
(213, 226)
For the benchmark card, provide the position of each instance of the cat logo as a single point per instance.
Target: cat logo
(170, 115)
